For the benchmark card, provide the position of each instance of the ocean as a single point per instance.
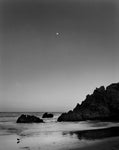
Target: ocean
(51, 135)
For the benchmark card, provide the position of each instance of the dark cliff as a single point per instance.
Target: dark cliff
(103, 104)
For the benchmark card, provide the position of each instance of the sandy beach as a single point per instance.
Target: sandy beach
(107, 144)
(106, 139)
(53, 135)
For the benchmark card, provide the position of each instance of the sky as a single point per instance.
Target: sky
(55, 52)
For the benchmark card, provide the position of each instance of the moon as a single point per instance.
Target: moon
(57, 33)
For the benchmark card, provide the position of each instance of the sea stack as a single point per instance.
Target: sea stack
(47, 115)
(28, 119)
(103, 104)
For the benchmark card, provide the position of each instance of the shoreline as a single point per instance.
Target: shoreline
(98, 139)
(105, 144)
(104, 138)
(96, 134)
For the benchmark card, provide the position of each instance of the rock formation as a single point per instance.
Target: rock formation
(47, 115)
(29, 119)
(103, 104)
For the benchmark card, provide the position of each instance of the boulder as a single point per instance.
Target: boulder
(103, 104)
(28, 119)
(47, 115)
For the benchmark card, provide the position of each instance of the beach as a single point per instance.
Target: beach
(107, 144)
(10, 143)
(53, 135)
(59, 74)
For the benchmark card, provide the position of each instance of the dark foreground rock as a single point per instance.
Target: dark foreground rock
(29, 119)
(47, 115)
(103, 104)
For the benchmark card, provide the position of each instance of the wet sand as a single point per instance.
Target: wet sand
(99, 139)
(107, 144)
(96, 139)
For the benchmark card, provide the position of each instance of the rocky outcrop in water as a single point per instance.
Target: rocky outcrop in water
(29, 119)
(103, 104)
(47, 115)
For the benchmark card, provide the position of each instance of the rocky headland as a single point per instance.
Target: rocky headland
(103, 104)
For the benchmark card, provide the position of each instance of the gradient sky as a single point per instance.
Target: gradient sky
(44, 71)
